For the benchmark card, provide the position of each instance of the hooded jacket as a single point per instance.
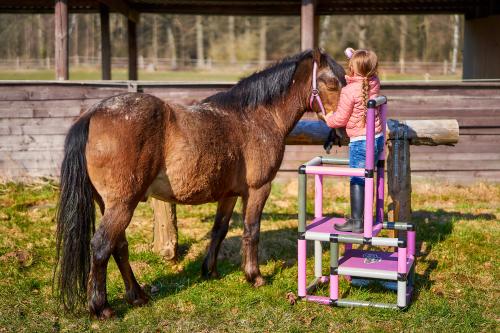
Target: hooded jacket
(351, 111)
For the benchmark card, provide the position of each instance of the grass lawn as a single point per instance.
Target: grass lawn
(457, 286)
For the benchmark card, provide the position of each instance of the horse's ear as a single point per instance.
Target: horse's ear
(316, 54)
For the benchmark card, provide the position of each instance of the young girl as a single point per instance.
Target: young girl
(362, 85)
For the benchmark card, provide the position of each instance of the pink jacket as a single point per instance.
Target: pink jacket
(350, 111)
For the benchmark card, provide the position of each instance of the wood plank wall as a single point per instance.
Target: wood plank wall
(34, 117)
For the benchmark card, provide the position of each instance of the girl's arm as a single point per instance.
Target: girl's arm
(340, 117)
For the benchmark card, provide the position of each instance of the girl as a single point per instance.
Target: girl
(362, 85)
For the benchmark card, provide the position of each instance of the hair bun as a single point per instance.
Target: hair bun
(349, 52)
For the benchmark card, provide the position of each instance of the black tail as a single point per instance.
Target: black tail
(75, 219)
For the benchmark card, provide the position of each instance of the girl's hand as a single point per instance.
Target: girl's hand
(321, 117)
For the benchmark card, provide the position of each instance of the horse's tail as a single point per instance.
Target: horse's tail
(75, 219)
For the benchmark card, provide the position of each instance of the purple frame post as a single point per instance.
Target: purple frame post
(402, 260)
(370, 156)
(318, 196)
(381, 169)
(301, 263)
(411, 244)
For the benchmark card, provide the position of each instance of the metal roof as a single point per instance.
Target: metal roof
(471, 8)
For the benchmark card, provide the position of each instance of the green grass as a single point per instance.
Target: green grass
(457, 288)
(220, 75)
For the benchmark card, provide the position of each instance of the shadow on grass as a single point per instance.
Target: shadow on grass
(433, 227)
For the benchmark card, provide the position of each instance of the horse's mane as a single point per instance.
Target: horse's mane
(264, 87)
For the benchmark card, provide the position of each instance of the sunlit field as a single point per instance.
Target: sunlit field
(219, 75)
(457, 272)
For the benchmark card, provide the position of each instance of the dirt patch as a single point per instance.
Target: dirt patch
(23, 258)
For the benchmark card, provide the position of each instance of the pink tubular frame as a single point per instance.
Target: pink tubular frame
(405, 255)
(370, 156)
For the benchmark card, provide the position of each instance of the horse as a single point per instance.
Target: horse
(129, 147)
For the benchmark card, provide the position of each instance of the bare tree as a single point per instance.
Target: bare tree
(200, 60)
(231, 40)
(361, 32)
(402, 42)
(263, 41)
(456, 36)
(154, 41)
(325, 27)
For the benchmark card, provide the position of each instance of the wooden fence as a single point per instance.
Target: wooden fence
(35, 116)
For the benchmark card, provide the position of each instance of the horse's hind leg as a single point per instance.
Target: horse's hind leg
(113, 224)
(253, 204)
(225, 209)
(133, 292)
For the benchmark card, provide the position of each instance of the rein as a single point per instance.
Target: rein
(315, 91)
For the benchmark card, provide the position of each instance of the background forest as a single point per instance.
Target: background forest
(427, 45)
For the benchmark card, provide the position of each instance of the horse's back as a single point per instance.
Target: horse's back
(124, 147)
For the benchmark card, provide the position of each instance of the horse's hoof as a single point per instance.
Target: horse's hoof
(137, 298)
(105, 314)
(209, 274)
(259, 281)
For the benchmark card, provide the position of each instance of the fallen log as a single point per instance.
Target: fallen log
(418, 132)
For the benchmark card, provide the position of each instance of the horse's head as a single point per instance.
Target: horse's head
(327, 79)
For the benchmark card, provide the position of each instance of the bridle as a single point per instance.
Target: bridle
(315, 91)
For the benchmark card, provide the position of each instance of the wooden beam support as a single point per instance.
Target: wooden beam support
(105, 43)
(61, 40)
(132, 50)
(165, 229)
(123, 8)
(418, 132)
(308, 25)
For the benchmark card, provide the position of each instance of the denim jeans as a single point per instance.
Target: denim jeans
(357, 156)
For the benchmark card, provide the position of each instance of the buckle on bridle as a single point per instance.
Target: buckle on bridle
(315, 92)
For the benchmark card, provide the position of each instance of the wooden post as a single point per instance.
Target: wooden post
(61, 40)
(399, 174)
(105, 43)
(308, 25)
(165, 229)
(132, 50)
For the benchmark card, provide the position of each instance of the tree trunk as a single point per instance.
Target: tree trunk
(456, 36)
(200, 59)
(41, 41)
(361, 32)
(231, 40)
(325, 26)
(165, 229)
(154, 41)
(402, 42)
(74, 39)
(172, 50)
(263, 41)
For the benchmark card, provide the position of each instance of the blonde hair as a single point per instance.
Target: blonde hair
(365, 64)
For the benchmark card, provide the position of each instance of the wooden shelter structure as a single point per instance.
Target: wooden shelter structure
(481, 49)
(35, 116)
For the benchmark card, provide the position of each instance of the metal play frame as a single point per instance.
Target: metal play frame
(379, 265)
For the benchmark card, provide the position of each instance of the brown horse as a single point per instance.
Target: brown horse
(132, 146)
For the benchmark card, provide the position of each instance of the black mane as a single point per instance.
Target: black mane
(264, 87)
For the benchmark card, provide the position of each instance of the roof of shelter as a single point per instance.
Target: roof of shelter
(471, 8)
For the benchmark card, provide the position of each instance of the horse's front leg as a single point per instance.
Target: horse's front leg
(225, 209)
(253, 204)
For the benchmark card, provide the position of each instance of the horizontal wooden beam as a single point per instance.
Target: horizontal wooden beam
(418, 132)
(121, 6)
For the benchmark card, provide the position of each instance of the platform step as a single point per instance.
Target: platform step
(371, 264)
(325, 225)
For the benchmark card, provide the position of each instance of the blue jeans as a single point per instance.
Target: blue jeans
(357, 156)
